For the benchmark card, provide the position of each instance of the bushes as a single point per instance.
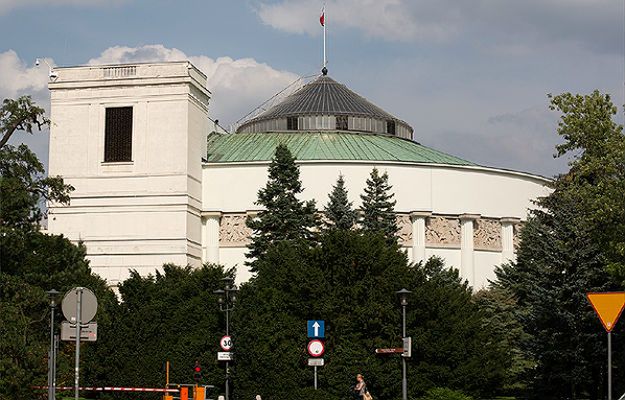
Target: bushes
(444, 394)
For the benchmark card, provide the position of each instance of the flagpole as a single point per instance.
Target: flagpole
(325, 62)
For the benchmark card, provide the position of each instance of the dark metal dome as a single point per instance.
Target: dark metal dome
(326, 97)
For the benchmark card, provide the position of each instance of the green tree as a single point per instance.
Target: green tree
(32, 262)
(444, 394)
(566, 248)
(24, 187)
(23, 184)
(378, 206)
(284, 216)
(20, 115)
(171, 315)
(339, 210)
(596, 145)
(503, 316)
(349, 281)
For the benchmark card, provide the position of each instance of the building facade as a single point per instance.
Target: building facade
(156, 184)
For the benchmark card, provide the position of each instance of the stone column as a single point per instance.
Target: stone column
(418, 234)
(467, 263)
(507, 238)
(211, 235)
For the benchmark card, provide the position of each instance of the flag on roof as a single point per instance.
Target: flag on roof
(322, 18)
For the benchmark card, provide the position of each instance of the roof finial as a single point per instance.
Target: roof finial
(324, 71)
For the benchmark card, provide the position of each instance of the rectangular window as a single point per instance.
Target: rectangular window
(341, 122)
(390, 127)
(118, 134)
(291, 123)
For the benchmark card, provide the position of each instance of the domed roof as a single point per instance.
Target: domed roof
(325, 97)
(324, 146)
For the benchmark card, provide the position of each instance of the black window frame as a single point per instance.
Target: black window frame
(342, 122)
(292, 123)
(118, 129)
(390, 127)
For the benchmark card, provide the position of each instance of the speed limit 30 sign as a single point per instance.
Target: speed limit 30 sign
(226, 343)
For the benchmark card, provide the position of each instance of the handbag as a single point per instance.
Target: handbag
(367, 396)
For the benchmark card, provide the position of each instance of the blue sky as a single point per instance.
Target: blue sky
(471, 76)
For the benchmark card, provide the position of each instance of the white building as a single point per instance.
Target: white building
(156, 184)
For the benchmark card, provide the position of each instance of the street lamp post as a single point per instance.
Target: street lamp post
(403, 298)
(226, 298)
(52, 294)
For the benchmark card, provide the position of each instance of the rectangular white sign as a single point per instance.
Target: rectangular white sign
(88, 332)
(224, 356)
(315, 362)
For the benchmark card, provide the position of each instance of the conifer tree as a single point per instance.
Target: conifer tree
(284, 217)
(378, 206)
(339, 210)
(566, 249)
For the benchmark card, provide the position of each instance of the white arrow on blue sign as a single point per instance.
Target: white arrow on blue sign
(316, 329)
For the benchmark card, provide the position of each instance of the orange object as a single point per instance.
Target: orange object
(199, 393)
(168, 397)
(184, 393)
(608, 306)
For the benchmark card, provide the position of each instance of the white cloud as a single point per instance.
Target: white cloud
(389, 19)
(8, 5)
(17, 77)
(237, 86)
(595, 24)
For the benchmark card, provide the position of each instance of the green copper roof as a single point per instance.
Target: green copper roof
(245, 147)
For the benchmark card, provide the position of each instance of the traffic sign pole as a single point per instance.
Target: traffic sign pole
(315, 367)
(608, 306)
(78, 322)
(609, 365)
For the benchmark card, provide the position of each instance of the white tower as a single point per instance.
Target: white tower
(130, 139)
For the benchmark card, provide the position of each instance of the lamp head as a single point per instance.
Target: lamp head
(403, 296)
(220, 295)
(52, 295)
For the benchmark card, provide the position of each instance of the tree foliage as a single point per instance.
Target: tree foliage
(32, 263)
(20, 115)
(566, 247)
(24, 187)
(597, 170)
(284, 216)
(172, 315)
(378, 206)
(339, 211)
(349, 281)
(23, 184)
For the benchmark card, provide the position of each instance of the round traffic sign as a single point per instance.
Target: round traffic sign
(88, 305)
(316, 348)
(226, 343)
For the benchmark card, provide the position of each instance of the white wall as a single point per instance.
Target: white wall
(446, 190)
(136, 214)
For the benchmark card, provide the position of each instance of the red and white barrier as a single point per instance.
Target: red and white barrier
(111, 389)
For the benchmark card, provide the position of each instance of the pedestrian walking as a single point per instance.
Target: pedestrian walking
(360, 388)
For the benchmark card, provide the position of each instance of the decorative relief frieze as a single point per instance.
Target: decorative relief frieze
(404, 233)
(516, 239)
(442, 231)
(233, 231)
(487, 234)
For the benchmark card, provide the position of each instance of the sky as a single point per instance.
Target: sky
(470, 76)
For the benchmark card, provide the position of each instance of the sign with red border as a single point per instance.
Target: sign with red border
(316, 348)
(608, 306)
(226, 343)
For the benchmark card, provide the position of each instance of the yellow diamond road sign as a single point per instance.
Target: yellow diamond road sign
(608, 307)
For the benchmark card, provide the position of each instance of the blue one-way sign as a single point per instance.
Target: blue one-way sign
(316, 329)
